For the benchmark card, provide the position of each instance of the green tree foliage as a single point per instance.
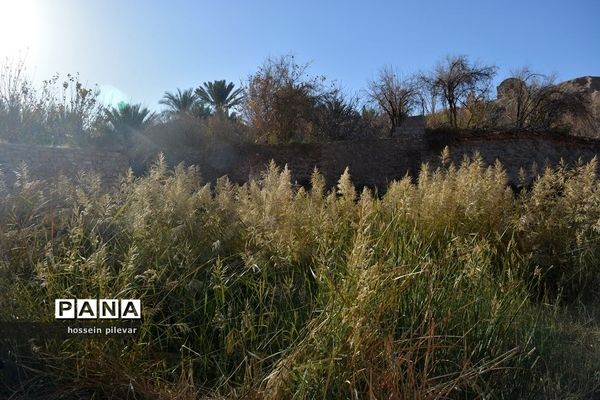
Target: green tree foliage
(220, 95)
(200, 110)
(185, 103)
(336, 117)
(180, 102)
(126, 120)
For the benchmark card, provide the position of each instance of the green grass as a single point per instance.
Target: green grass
(452, 287)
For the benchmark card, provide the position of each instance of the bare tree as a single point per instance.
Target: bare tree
(427, 94)
(533, 101)
(396, 97)
(457, 82)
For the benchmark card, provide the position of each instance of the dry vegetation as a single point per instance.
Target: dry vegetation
(452, 287)
(284, 102)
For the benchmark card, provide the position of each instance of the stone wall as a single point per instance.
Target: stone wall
(372, 163)
(375, 163)
(413, 127)
(50, 162)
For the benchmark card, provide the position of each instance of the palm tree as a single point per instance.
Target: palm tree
(200, 110)
(180, 102)
(128, 118)
(220, 95)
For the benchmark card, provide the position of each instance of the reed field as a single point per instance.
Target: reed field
(449, 286)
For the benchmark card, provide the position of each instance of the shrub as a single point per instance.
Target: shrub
(63, 112)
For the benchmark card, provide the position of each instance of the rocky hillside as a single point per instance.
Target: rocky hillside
(591, 86)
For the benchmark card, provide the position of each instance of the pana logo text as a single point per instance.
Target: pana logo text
(97, 309)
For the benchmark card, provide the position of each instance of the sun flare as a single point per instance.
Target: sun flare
(18, 27)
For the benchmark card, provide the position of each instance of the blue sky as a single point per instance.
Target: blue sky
(143, 48)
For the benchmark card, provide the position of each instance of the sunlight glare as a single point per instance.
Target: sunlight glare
(18, 27)
(110, 96)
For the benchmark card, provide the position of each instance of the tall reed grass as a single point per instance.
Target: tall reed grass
(451, 287)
